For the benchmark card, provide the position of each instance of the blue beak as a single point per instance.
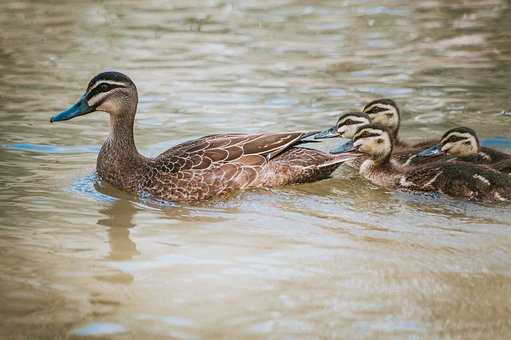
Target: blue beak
(343, 148)
(431, 151)
(328, 133)
(78, 109)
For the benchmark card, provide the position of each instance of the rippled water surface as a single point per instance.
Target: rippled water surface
(335, 259)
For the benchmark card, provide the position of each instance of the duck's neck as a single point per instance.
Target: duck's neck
(119, 161)
(395, 138)
(121, 138)
(379, 171)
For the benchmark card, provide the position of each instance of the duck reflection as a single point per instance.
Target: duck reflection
(118, 219)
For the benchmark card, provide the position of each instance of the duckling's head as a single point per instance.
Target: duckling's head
(346, 126)
(459, 142)
(371, 139)
(111, 92)
(385, 112)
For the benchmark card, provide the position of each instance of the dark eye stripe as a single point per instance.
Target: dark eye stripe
(349, 122)
(452, 139)
(376, 109)
(101, 88)
(366, 134)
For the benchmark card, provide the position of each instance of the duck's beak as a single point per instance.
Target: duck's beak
(435, 150)
(344, 148)
(78, 109)
(328, 133)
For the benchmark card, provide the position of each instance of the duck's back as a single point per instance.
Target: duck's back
(491, 157)
(219, 164)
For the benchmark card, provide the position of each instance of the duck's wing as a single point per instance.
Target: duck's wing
(459, 179)
(426, 178)
(241, 149)
(495, 156)
(503, 166)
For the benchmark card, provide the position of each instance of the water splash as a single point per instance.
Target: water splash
(87, 186)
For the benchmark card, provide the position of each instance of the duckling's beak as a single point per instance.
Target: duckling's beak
(344, 148)
(78, 109)
(328, 133)
(435, 150)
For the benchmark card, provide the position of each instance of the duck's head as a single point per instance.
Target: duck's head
(385, 112)
(111, 92)
(459, 142)
(346, 126)
(371, 139)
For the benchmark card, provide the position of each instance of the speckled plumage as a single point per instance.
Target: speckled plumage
(216, 165)
(200, 169)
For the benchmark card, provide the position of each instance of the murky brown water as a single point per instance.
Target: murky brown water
(335, 259)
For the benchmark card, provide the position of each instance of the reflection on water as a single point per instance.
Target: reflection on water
(336, 259)
(118, 220)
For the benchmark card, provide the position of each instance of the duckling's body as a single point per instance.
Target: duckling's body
(456, 179)
(200, 169)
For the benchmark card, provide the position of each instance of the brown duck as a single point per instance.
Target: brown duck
(200, 169)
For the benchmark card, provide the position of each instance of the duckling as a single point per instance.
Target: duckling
(456, 179)
(463, 144)
(386, 112)
(199, 169)
(347, 125)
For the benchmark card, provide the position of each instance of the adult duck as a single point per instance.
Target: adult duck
(456, 179)
(463, 144)
(200, 169)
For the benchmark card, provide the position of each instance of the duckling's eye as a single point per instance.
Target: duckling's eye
(379, 141)
(349, 122)
(375, 109)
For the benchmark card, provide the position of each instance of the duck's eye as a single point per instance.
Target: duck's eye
(375, 109)
(103, 87)
(379, 141)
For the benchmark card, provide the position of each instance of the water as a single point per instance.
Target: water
(336, 259)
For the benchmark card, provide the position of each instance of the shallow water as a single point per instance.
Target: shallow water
(335, 259)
